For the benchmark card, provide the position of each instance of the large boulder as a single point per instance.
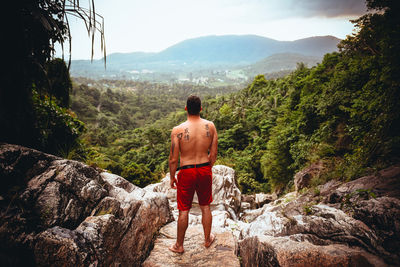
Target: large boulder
(256, 201)
(345, 224)
(226, 198)
(303, 178)
(285, 252)
(224, 188)
(225, 225)
(220, 253)
(62, 212)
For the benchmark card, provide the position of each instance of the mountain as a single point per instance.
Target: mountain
(244, 48)
(208, 52)
(221, 49)
(280, 62)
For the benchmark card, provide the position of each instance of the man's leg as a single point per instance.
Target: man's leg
(183, 220)
(206, 220)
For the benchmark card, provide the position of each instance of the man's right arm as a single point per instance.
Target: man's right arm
(212, 156)
(174, 156)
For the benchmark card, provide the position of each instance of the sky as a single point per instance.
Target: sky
(154, 25)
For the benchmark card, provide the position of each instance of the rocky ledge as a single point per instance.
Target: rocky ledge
(61, 212)
(57, 212)
(337, 224)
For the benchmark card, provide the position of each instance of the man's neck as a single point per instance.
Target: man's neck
(193, 117)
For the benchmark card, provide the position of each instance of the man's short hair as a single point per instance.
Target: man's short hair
(193, 105)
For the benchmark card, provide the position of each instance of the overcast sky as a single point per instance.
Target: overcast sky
(153, 25)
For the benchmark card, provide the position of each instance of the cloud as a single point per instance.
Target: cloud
(153, 25)
(328, 8)
(260, 11)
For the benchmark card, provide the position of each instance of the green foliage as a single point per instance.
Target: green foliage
(129, 123)
(308, 210)
(35, 27)
(139, 174)
(344, 113)
(59, 81)
(58, 127)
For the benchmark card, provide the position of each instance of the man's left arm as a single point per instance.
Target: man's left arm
(212, 156)
(173, 157)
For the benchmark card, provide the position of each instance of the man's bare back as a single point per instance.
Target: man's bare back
(195, 138)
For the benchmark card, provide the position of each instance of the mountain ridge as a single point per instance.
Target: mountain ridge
(213, 52)
(328, 41)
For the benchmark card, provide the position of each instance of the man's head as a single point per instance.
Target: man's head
(193, 105)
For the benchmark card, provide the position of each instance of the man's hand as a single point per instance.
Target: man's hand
(173, 182)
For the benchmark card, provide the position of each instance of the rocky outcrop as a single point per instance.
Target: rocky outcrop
(350, 224)
(302, 178)
(224, 188)
(220, 253)
(62, 212)
(224, 208)
(256, 201)
(282, 251)
(226, 198)
(338, 224)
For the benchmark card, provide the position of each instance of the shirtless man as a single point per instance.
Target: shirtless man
(196, 140)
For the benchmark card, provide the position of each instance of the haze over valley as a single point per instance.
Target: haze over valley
(211, 60)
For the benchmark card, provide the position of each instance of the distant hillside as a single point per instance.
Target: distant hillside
(204, 53)
(280, 62)
(234, 49)
(243, 48)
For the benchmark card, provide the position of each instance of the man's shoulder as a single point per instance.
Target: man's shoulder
(207, 121)
(178, 127)
(210, 123)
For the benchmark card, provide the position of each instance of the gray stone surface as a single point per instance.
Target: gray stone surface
(347, 224)
(63, 212)
(220, 253)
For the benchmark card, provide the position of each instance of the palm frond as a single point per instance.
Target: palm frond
(93, 21)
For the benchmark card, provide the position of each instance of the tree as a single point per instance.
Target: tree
(36, 26)
(60, 81)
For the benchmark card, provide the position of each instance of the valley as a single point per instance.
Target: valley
(211, 60)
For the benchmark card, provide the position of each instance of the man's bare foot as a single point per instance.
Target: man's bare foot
(210, 241)
(176, 249)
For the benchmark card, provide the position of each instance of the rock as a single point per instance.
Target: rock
(302, 178)
(360, 219)
(226, 203)
(63, 212)
(220, 253)
(245, 205)
(256, 201)
(384, 183)
(262, 199)
(374, 200)
(287, 240)
(224, 188)
(282, 251)
(383, 216)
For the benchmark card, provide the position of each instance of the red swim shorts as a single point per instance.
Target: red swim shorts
(191, 180)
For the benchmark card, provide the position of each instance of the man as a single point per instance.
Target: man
(196, 140)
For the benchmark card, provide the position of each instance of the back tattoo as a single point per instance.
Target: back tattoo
(186, 136)
(208, 130)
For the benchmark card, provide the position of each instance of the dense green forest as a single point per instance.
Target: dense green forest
(129, 123)
(343, 113)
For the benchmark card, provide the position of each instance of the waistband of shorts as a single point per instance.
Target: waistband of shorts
(193, 166)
